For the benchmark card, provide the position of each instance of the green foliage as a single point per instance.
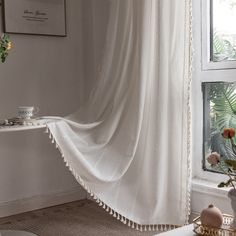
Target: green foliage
(221, 146)
(5, 46)
(222, 99)
(231, 163)
(221, 185)
(223, 107)
(225, 184)
(222, 49)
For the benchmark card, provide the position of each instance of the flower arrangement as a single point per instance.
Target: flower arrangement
(227, 166)
(5, 46)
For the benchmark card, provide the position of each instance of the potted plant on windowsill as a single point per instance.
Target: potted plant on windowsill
(5, 46)
(227, 167)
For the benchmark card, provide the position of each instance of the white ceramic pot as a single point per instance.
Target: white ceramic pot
(232, 197)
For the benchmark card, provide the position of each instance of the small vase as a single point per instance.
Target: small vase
(232, 197)
(212, 217)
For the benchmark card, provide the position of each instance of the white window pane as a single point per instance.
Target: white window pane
(223, 36)
(219, 113)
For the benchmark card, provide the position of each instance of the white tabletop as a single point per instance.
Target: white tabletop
(38, 124)
(182, 231)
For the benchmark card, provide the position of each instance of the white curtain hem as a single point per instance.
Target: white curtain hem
(108, 209)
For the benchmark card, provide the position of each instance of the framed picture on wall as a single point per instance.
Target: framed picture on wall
(41, 17)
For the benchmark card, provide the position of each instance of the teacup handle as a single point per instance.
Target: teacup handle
(36, 110)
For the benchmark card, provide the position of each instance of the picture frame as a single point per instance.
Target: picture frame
(35, 17)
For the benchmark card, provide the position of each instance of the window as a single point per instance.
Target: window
(219, 34)
(219, 113)
(219, 98)
(214, 73)
(209, 76)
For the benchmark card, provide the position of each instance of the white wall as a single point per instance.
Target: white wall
(48, 72)
(95, 20)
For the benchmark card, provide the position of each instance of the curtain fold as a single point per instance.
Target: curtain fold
(129, 145)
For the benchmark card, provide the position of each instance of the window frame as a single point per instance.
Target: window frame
(204, 183)
(204, 71)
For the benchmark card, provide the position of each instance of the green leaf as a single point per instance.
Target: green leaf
(223, 106)
(221, 185)
(222, 48)
(231, 163)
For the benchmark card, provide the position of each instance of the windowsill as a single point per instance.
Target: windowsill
(205, 192)
(208, 187)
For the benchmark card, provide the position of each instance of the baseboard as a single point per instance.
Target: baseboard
(41, 201)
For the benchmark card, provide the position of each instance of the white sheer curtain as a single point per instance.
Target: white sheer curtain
(129, 145)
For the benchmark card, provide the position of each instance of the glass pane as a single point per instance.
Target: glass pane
(223, 35)
(219, 113)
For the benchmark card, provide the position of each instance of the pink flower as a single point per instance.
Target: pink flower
(228, 133)
(213, 158)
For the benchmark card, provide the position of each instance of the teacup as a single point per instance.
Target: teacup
(26, 112)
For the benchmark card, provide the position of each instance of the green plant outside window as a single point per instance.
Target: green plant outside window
(219, 114)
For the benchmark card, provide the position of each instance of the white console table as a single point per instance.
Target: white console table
(38, 125)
